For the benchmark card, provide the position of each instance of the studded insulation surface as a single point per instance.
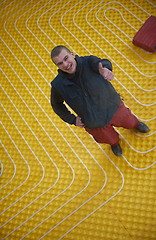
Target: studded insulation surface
(56, 181)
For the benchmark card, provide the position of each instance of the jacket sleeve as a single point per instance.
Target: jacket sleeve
(94, 63)
(57, 103)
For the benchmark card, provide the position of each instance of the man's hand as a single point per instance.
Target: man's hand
(79, 123)
(105, 72)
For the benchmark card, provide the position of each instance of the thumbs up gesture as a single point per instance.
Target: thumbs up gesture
(105, 72)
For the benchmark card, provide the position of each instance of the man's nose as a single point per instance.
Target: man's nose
(65, 64)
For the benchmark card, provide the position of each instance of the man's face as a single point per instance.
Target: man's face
(66, 62)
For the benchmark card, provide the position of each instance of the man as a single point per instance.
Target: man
(84, 84)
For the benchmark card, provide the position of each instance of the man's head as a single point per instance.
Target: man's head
(64, 59)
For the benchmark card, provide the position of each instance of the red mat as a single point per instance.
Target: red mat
(146, 36)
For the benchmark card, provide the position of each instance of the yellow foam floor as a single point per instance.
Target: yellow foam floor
(56, 182)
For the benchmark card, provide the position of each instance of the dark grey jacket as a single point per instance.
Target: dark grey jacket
(90, 96)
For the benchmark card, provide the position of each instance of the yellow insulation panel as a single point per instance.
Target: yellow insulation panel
(56, 181)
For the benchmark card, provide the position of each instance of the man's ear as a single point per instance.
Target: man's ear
(72, 54)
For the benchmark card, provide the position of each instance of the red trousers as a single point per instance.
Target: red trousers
(107, 134)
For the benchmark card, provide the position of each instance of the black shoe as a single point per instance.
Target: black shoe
(142, 127)
(117, 150)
